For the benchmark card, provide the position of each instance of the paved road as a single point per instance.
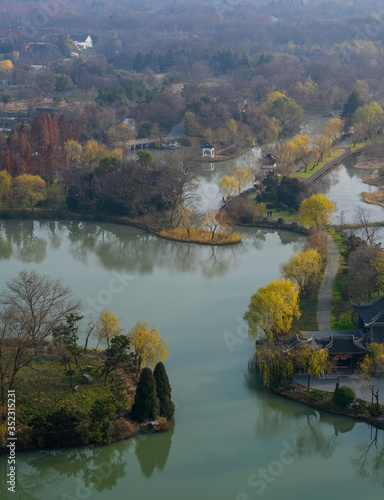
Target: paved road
(325, 293)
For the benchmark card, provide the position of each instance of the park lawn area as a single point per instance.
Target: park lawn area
(285, 214)
(289, 214)
(44, 388)
(341, 309)
(312, 170)
(377, 139)
(308, 318)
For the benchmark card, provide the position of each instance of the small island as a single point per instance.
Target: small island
(70, 395)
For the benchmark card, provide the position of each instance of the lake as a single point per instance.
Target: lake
(231, 439)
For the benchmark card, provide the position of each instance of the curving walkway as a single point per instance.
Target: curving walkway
(326, 288)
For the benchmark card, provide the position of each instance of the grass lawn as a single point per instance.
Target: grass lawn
(45, 388)
(289, 214)
(312, 170)
(342, 311)
(308, 318)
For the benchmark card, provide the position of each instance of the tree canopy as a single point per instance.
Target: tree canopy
(149, 348)
(317, 210)
(273, 308)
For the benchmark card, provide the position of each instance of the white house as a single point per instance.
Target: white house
(83, 41)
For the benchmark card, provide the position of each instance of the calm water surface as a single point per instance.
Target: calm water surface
(343, 185)
(231, 440)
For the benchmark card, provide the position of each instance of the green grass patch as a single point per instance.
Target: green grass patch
(287, 214)
(362, 144)
(311, 169)
(45, 388)
(342, 313)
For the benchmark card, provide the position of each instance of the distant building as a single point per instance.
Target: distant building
(207, 150)
(82, 41)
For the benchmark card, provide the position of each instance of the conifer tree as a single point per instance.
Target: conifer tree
(163, 389)
(353, 102)
(145, 406)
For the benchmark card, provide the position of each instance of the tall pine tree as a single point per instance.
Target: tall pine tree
(163, 389)
(353, 102)
(145, 406)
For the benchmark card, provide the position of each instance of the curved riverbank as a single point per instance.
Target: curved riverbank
(322, 401)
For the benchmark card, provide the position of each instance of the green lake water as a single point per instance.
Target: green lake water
(231, 439)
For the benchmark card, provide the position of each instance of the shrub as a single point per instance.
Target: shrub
(164, 424)
(122, 429)
(343, 396)
(375, 410)
(100, 432)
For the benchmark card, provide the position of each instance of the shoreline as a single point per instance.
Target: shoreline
(300, 395)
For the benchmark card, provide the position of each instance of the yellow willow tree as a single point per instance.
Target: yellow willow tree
(304, 269)
(74, 150)
(333, 129)
(274, 362)
(29, 190)
(315, 363)
(227, 186)
(273, 308)
(5, 186)
(93, 152)
(242, 177)
(317, 211)
(107, 326)
(147, 344)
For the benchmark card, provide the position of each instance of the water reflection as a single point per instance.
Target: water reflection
(153, 455)
(125, 249)
(344, 185)
(19, 239)
(369, 461)
(95, 469)
(309, 432)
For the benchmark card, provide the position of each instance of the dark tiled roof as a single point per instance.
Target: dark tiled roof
(370, 312)
(346, 344)
(378, 334)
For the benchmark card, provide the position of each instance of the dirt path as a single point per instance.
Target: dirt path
(325, 293)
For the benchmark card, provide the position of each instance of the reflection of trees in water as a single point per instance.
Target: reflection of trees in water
(369, 461)
(97, 469)
(83, 238)
(123, 249)
(289, 237)
(326, 181)
(306, 429)
(152, 453)
(18, 239)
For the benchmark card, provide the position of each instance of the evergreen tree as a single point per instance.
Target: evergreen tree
(353, 102)
(145, 406)
(163, 389)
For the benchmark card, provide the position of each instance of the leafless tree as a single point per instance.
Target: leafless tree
(369, 233)
(30, 307)
(37, 303)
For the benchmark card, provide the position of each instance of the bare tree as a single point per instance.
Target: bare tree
(37, 303)
(31, 306)
(370, 233)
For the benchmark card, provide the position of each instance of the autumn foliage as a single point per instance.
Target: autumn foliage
(37, 149)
